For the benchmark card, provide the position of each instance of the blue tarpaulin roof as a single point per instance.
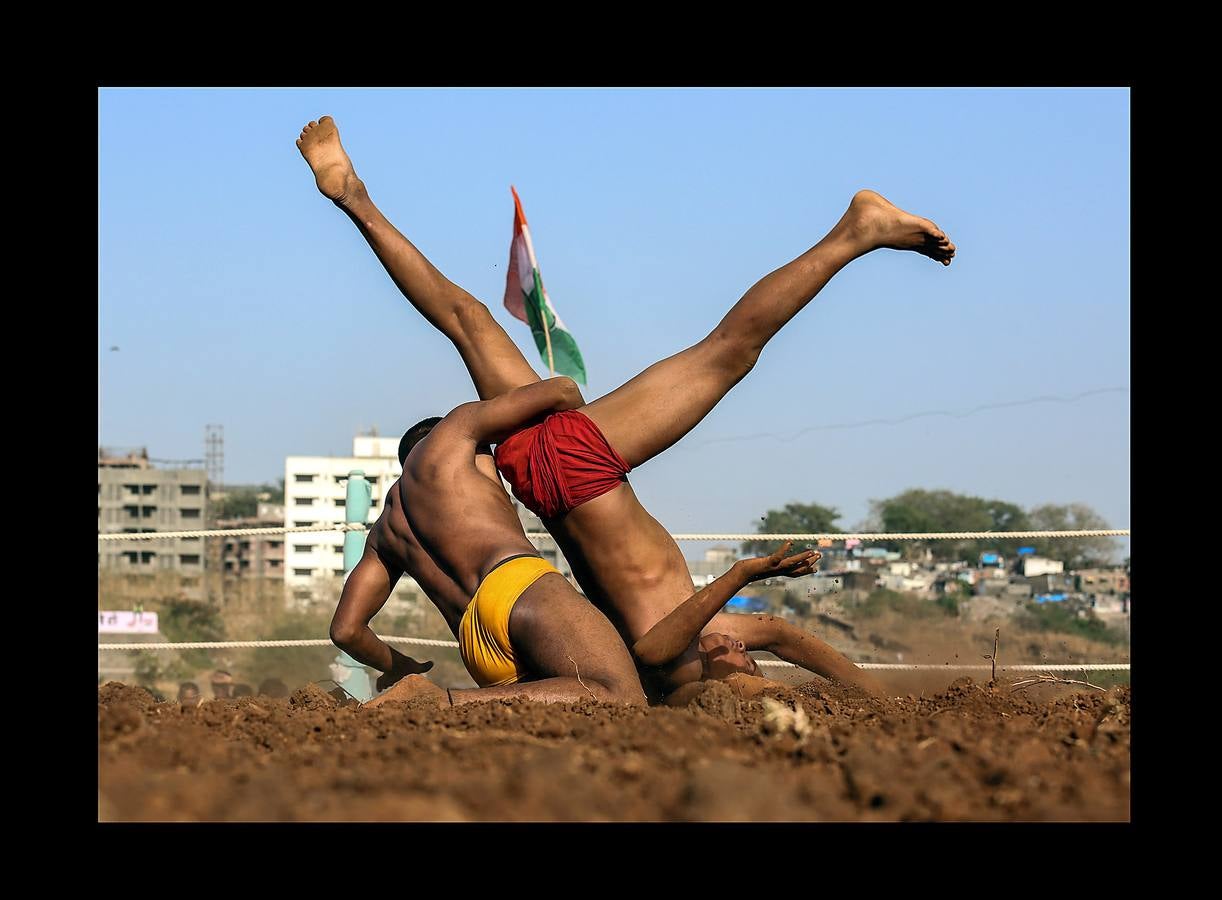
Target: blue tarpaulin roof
(750, 604)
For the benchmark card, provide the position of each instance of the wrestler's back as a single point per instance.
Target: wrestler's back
(392, 537)
(465, 521)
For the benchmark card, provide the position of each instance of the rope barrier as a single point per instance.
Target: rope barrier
(428, 642)
(862, 536)
(322, 528)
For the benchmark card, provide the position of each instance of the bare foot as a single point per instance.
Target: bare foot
(872, 222)
(333, 172)
(411, 687)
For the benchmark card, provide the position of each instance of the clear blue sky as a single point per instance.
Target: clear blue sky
(238, 295)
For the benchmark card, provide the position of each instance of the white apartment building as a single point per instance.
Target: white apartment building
(315, 489)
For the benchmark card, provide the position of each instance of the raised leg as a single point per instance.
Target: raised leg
(495, 363)
(658, 407)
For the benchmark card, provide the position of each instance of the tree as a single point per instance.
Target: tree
(1078, 553)
(181, 619)
(795, 518)
(243, 502)
(921, 510)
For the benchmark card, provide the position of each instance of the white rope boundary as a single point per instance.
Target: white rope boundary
(428, 642)
(861, 536)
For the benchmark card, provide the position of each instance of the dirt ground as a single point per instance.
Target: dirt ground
(963, 752)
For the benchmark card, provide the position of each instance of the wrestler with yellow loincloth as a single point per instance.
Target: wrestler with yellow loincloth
(526, 632)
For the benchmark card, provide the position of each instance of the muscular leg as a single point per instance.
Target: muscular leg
(654, 410)
(495, 363)
(792, 644)
(571, 648)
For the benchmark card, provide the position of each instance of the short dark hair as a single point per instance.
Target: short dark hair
(415, 435)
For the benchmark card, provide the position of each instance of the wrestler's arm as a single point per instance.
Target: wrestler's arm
(670, 637)
(365, 592)
(491, 421)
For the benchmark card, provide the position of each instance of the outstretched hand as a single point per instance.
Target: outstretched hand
(780, 565)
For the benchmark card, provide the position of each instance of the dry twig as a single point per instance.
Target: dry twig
(579, 681)
(1052, 679)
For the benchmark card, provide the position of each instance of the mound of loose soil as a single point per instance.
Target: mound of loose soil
(814, 753)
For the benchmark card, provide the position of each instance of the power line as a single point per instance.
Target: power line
(953, 414)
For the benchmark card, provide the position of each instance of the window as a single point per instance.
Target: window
(190, 539)
(303, 479)
(245, 563)
(133, 489)
(373, 502)
(274, 544)
(303, 501)
(301, 524)
(189, 513)
(338, 548)
(303, 548)
(132, 510)
(147, 488)
(339, 501)
(190, 490)
(338, 571)
(147, 511)
(131, 557)
(305, 573)
(274, 562)
(188, 559)
(147, 557)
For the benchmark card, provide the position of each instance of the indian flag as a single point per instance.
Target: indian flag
(526, 299)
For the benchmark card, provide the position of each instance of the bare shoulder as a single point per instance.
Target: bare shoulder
(437, 449)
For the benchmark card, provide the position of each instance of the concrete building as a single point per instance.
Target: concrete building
(1033, 566)
(257, 555)
(134, 497)
(717, 561)
(1103, 581)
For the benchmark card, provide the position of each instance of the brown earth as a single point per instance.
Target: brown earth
(814, 753)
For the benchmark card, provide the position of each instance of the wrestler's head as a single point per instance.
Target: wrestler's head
(415, 435)
(721, 655)
(483, 453)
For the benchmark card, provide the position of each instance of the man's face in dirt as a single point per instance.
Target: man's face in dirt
(222, 689)
(723, 656)
(188, 696)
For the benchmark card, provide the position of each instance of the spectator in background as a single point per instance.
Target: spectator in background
(188, 693)
(242, 690)
(273, 687)
(222, 685)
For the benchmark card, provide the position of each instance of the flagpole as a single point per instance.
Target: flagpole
(547, 334)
